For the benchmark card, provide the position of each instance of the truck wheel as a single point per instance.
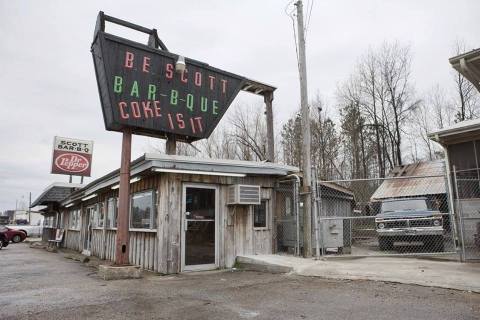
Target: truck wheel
(385, 244)
(16, 238)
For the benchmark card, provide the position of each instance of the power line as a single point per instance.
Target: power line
(291, 15)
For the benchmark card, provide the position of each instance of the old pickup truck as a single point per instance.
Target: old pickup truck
(409, 220)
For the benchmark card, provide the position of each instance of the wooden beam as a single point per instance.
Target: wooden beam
(268, 98)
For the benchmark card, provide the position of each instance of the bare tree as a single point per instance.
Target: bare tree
(467, 103)
(250, 133)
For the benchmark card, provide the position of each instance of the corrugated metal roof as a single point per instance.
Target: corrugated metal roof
(150, 161)
(413, 180)
(334, 186)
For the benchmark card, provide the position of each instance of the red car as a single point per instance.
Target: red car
(9, 234)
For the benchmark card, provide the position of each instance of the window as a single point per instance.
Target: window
(101, 214)
(112, 211)
(49, 221)
(260, 215)
(60, 221)
(288, 206)
(143, 210)
(96, 215)
(74, 220)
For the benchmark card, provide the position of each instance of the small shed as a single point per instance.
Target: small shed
(421, 179)
(336, 201)
(185, 214)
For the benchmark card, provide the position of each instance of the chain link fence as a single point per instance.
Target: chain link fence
(287, 229)
(467, 206)
(388, 216)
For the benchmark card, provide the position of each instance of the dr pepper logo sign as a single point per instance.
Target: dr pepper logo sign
(72, 157)
(141, 90)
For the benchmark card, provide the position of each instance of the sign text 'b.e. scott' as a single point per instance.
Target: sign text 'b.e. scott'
(141, 90)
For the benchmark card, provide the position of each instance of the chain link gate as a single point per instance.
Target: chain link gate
(287, 228)
(466, 184)
(405, 215)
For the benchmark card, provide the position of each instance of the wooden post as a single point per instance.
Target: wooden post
(171, 144)
(268, 98)
(121, 252)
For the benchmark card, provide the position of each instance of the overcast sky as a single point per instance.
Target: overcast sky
(48, 86)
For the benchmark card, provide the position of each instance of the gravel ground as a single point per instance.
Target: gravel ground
(40, 285)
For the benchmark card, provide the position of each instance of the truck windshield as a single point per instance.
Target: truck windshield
(404, 205)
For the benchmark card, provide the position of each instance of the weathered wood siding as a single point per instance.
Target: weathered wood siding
(72, 240)
(97, 243)
(143, 249)
(160, 250)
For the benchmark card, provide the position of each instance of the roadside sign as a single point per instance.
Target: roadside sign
(140, 89)
(72, 156)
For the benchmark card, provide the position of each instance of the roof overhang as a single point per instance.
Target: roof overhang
(55, 192)
(468, 64)
(460, 132)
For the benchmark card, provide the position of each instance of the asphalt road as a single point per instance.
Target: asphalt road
(36, 284)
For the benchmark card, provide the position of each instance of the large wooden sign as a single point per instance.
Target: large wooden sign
(140, 89)
(72, 156)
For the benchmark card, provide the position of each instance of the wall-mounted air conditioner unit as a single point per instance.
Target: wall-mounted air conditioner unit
(243, 194)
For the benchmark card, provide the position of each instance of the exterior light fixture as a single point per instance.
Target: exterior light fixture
(207, 173)
(69, 205)
(89, 197)
(133, 180)
(180, 65)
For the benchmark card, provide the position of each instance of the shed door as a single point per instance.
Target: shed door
(200, 227)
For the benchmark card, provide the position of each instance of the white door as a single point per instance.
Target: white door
(87, 241)
(199, 227)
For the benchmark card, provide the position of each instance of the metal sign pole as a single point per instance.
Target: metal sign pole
(121, 252)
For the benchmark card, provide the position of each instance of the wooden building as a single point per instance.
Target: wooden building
(185, 214)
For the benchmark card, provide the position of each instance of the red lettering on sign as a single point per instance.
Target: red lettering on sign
(146, 64)
(72, 162)
(212, 82)
(156, 107)
(180, 122)
(122, 105)
(169, 71)
(146, 109)
(170, 122)
(199, 122)
(198, 79)
(135, 109)
(184, 76)
(129, 59)
(193, 125)
(224, 85)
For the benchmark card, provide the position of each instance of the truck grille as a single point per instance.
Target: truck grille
(396, 224)
(421, 223)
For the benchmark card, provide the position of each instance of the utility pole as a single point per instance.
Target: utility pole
(306, 163)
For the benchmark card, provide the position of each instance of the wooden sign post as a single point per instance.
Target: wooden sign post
(143, 92)
(121, 249)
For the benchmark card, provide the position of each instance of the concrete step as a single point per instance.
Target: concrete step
(255, 263)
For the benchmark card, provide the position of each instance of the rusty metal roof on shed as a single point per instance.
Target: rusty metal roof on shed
(55, 192)
(413, 180)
